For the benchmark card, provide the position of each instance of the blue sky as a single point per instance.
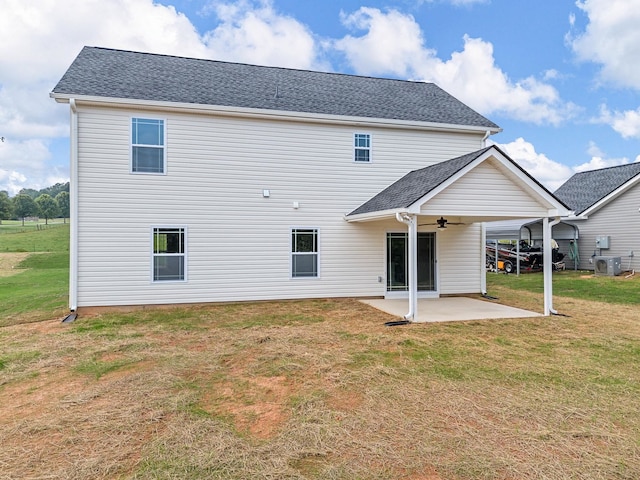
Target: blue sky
(561, 77)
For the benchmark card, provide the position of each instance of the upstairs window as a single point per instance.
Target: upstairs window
(147, 146)
(169, 254)
(362, 143)
(304, 252)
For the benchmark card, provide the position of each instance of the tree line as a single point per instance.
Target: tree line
(50, 202)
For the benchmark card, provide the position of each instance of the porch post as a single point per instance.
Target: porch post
(546, 265)
(412, 232)
(547, 230)
(413, 267)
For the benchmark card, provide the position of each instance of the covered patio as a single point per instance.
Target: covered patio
(454, 199)
(450, 309)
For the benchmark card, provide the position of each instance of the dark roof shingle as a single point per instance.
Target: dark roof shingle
(101, 72)
(585, 189)
(416, 184)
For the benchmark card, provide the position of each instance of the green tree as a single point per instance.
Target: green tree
(29, 191)
(64, 204)
(47, 206)
(54, 190)
(6, 207)
(24, 206)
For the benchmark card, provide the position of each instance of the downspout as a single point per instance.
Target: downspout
(412, 226)
(547, 227)
(483, 258)
(484, 139)
(73, 207)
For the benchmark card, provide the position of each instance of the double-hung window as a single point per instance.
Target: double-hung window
(169, 254)
(148, 153)
(362, 147)
(304, 252)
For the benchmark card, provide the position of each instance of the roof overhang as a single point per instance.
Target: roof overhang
(230, 111)
(555, 208)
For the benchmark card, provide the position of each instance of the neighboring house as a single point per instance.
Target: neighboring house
(204, 181)
(606, 203)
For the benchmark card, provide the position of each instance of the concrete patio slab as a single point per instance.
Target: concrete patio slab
(450, 309)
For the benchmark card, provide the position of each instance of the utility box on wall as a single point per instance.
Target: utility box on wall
(602, 241)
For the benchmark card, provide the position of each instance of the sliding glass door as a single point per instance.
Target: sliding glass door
(397, 262)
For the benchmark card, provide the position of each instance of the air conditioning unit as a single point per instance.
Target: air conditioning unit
(607, 266)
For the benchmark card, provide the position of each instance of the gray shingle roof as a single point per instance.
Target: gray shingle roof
(585, 189)
(416, 184)
(102, 72)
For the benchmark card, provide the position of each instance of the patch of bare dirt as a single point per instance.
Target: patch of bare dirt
(9, 263)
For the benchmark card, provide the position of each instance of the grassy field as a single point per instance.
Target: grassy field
(34, 271)
(321, 389)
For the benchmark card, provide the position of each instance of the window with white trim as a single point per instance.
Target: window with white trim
(169, 254)
(304, 252)
(147, 146)
(362, 147)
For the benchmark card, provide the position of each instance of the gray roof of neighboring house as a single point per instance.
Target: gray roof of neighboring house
(585, 189)
(416, 184)
(101, 72)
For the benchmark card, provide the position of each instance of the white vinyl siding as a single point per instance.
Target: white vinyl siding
(468, 197)
(239, 245)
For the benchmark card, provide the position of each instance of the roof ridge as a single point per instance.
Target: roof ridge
(261, 66)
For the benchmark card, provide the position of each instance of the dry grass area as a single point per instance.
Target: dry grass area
(9, 262)
(322, 390)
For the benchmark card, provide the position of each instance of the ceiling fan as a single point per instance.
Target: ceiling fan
(442, 223)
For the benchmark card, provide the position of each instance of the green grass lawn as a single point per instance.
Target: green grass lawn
(581, 285)
(315, 389)
(39, 291)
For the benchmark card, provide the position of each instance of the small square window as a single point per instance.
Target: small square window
(147, 145)
(362, 144)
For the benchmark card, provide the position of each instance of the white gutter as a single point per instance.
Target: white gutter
(548, 264)
(412, 225)
(273, 114)
(73, 214)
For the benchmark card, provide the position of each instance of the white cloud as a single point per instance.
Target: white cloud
(21, 162)
(253, 32)
(393, 43)
(38, 41)
(599, 160)
(626, 123)
(548, 172)
(611, 39)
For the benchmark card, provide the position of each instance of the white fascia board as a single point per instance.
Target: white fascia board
(374, 216)
(274, 114)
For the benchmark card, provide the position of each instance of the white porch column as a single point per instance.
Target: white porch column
(412, 232)
(547, 228)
